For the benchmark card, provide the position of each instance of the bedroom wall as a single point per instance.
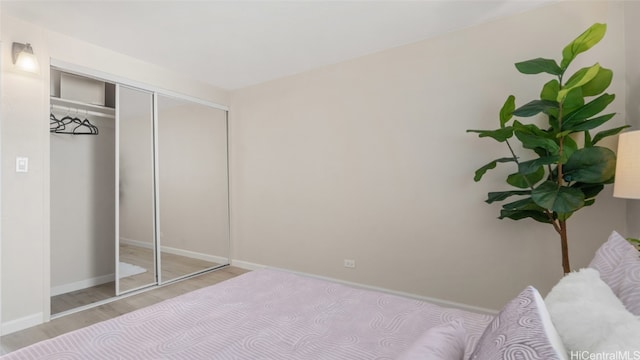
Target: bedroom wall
(632, 33)
(25, 197)
(369, 160)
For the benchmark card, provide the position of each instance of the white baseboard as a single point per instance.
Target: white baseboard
(444, 303)
(21, 324)
(247, 265)
(138, 243)
(82, 284)
(176, 251)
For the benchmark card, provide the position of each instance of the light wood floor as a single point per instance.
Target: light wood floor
(173, 266)
(84, 318)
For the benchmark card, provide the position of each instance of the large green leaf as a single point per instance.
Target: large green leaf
(522, 204)
(589, 190)
(501, 195)
(531, 166)
(573, 101)
(539, 65)
(524, 181)
(588, 124)
(535, 107)
(590, 165)
(560, 199)
(569, 146)
(598, 84)
(590, 109)
(499, 135)
(550, 90)
(587, 139)
(539, 216)
(606, 133)
(524, 208)
(531, 141)
(582, 43)
(481, 171)
(579, 79)
(506, 112)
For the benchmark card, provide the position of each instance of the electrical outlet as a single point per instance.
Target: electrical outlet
(350, 263)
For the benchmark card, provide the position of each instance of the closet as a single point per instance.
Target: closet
(138, 184)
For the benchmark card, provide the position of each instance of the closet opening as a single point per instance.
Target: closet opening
(139, 188)
(82, 158)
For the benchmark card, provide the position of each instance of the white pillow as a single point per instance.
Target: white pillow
(443, 342)
(589, 317)
(519, 332)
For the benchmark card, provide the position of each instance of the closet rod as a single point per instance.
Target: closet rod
(74, 111)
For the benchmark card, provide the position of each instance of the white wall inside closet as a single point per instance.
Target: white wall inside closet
(82, 208)
(82, 191)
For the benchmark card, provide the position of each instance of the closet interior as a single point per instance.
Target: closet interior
(139, 189)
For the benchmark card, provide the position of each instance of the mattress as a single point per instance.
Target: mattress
(264, 314)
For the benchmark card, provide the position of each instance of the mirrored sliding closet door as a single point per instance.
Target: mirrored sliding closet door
(139, 187)
(135, 196)
(192, 187)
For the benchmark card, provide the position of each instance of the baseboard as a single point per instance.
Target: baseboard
(21, 324)
(82, 284)
(444, 303)
(176, 251)
(138, 243)
(195, 255)
(247, 265)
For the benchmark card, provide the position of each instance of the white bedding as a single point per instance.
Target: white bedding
(265, 314)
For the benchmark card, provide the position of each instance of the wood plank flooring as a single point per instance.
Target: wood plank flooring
(173, 266)
(84, 318)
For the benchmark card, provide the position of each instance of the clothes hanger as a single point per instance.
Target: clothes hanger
(85, 124)
(83, 127)
(55, 124)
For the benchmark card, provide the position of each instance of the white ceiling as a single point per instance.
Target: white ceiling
(233, 44)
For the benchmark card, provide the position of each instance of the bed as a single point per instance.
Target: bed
(275, 314)
(263, 314)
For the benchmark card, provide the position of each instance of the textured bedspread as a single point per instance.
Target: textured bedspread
(265, 314)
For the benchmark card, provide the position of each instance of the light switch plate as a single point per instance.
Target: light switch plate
(22, 164)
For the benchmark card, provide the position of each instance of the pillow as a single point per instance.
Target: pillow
(607, 259)
(618, 263)
(522, 330)
(443, 342)
(629, 292)
(588, 315)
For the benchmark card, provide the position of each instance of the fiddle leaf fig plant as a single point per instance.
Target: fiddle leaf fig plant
(562, 168)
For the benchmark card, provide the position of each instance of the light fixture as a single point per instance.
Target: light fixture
(627, 183)
(23, 58)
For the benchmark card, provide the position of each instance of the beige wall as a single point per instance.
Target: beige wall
(369, 160)
(25, 197)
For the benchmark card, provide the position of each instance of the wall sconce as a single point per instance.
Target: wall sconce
(23, 58)
(627, 183)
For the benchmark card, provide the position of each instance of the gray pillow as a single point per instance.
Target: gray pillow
(618, 263)
(522, 330)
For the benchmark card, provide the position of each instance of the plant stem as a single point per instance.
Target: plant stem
(563, 223)
(565, 247)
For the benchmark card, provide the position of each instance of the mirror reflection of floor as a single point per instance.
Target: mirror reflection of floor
(173, 266)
